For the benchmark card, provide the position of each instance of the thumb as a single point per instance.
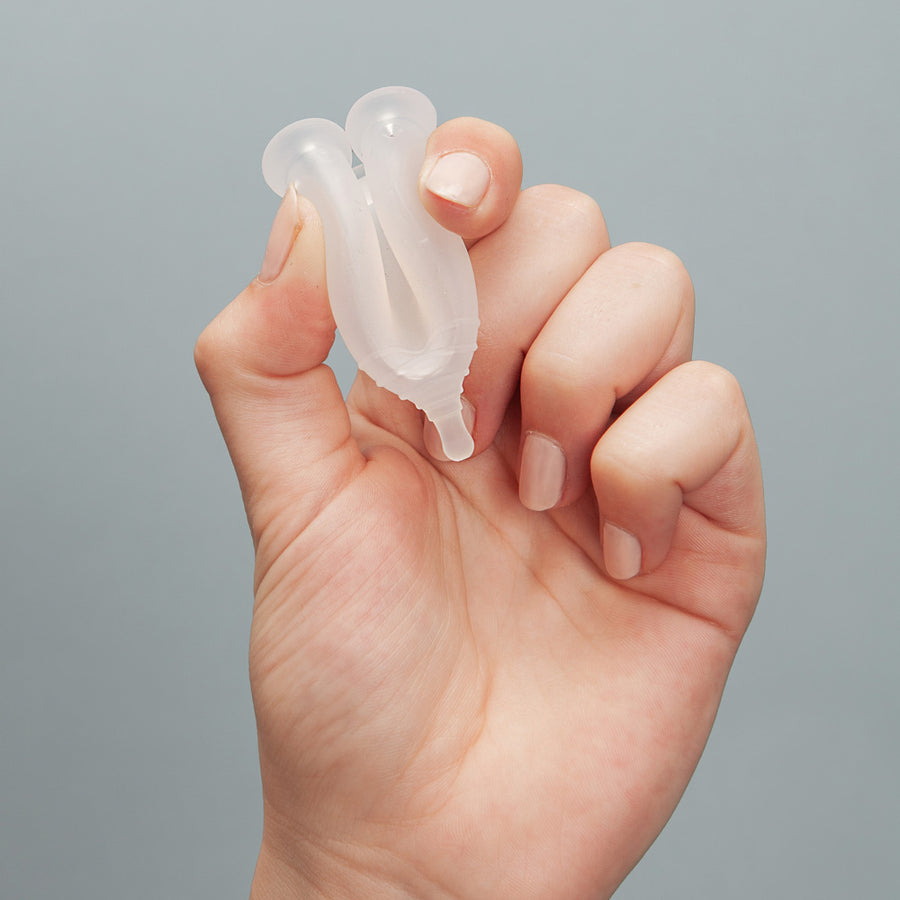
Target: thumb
(261, 360)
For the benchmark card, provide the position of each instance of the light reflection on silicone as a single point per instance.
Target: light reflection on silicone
(401, 286)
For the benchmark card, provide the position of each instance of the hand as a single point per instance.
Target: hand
(492, 678)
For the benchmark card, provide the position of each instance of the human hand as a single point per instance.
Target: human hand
(458, 695)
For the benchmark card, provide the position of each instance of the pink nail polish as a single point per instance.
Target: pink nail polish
(281, 238)
(621, 552)
(542, 473)
(460, 177)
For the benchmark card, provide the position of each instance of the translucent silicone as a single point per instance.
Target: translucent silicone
(401, 287)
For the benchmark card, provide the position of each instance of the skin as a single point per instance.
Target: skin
(454, 697)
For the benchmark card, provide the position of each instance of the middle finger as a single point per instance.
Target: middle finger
(626, 323)
(522, 271)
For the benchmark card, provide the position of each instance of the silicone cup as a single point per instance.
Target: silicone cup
(401, 287)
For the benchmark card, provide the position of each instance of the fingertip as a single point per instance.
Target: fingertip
(289, 319)
(638, 502)
(459, 177)
(287, 225)
(622, 552)
(471, 176)
(294, 240)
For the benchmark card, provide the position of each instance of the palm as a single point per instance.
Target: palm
(425, 631)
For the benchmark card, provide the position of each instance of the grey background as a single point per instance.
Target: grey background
(757, 140)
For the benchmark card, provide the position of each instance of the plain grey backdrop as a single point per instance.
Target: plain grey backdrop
(757, 140)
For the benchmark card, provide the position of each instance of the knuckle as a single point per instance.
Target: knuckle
(208, 352)
(551, 368)
(662, 263)
(609, 466)
(562, 387)
(202, 352)
(719, 384)
(567, 204)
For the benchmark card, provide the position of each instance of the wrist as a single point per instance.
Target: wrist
(275, 879)
(291, 869)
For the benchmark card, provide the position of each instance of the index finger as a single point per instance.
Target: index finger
(471, 176)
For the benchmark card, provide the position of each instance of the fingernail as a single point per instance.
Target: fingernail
(542, 472)
(433, 440)
(460, 177)
(284, 231)
(621, 552)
